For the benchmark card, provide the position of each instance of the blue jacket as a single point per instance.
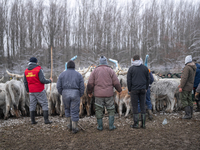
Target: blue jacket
(197, 76)
(70, 79)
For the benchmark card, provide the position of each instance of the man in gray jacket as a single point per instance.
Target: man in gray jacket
(70, 85)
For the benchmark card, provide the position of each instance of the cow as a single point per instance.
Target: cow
(123, 98)
(4, 101)
(17, 95)
(164, 89)
(85, 102)
(55, 104)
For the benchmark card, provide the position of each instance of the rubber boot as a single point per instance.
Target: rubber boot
(46, 117)
(198, 106)
(143, 116)
(100, 124)
(136, 121)
(187, 113)
(32, 115)
(69, 123)
(150, 114)
(111, 123)
(74, 127)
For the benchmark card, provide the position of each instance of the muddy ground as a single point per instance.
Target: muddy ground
(177, 134)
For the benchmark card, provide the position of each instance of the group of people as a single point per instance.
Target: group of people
(70, 85)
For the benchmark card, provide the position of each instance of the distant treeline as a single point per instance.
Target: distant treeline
(165, 30)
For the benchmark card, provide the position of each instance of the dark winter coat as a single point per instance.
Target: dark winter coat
(197, 76)
(31, 66)
(70, 79)
(187, 78)
(137, 76)
(198, 89)
(102, 80)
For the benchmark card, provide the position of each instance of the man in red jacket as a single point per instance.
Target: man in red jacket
(101, 81)
(34, 81)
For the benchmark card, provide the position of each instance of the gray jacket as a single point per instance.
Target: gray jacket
(31, 66)
(70, 79)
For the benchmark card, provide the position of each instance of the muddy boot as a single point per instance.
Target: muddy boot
(198, 106)
(136, 121)
(32, 115)
(187, 113)
(74, 127)
(46, 117)
(69, 123)
(111, 122)
(143, 116)
(100, 124)
(140, 119)
(150, 114)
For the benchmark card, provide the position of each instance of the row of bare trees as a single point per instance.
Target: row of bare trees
(166, 30)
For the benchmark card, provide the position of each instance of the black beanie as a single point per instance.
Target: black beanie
(33, 59)
(70, 64)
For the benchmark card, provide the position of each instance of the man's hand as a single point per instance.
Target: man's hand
(51, 79)
(120, 93)
(90, 95)
(180, 90)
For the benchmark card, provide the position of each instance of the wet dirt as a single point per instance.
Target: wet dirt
(179, 134)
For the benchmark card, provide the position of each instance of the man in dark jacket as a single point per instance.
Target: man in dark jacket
(70, 85)
(138, 83)
(186, 86)
(196, 83)
(34, 81)
(197, 95)
(101, 81)
(148, 99)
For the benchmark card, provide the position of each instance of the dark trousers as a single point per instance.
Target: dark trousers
(141, 96)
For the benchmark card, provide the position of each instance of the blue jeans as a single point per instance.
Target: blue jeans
(148, 101)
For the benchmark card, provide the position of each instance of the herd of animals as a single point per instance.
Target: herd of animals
(14, 100)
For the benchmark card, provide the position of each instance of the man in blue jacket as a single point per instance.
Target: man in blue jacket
(148, 99)
(196, 83)
(70, 85)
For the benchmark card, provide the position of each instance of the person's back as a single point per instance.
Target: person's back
(70, 79)
(137, 76)
(101, 81)
(138, 83)
(70, 85)
(34, 81)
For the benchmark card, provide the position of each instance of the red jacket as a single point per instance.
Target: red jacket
(32, 77)
(102, 80)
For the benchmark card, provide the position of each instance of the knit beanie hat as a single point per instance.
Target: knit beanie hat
(188, 59)
(33, 59)
(103, 61)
